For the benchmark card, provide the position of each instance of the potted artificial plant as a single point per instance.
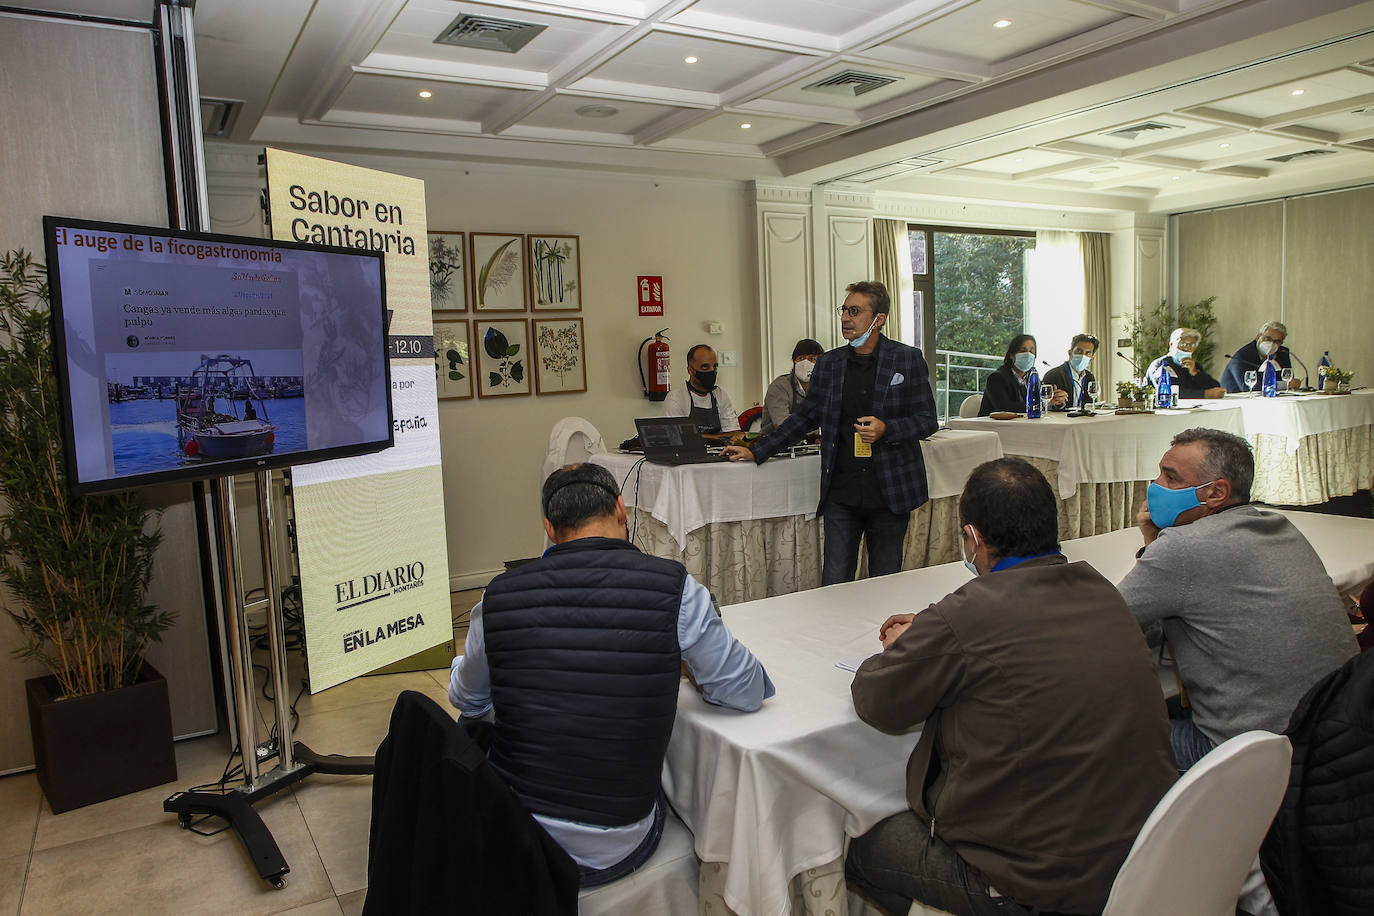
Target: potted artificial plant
(75, 571)
(1131, 396)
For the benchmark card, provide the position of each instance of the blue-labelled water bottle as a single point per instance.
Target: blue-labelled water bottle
(1271, 379)
(1033, 394)
(1164, 391)
(1322, 365)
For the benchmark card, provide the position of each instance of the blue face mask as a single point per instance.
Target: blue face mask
(1167, 505)
(1181, 355)
(967, 562)
(1025, 362)
(1079, 362)
(863, 338)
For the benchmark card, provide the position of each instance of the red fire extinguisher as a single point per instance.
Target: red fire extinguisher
(659, 364)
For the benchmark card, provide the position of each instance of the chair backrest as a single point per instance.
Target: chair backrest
(970, 405)
(572, 441)
(1196, 848)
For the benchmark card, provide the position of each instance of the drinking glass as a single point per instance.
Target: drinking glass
(1093, 391)
(1046, 394)
(1287, 376)
(1251, 376)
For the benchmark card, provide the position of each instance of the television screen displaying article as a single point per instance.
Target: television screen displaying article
(188, 355)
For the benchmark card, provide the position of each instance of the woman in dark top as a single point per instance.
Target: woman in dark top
(1006, 388)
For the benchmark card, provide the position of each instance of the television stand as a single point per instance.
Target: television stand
(295, 761)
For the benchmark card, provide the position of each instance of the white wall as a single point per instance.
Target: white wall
(697, 234)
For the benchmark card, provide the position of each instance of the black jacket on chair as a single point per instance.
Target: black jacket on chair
(1318, 858)
(447, 834)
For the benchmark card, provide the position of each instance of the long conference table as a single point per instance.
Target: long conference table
(1308, 448)
(771, 796)
(749, 532)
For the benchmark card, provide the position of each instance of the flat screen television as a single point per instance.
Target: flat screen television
(185, 355)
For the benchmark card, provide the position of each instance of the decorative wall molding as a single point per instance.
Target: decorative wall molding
(838, 196)
(975, 215)
(781, 194)
(785, 285)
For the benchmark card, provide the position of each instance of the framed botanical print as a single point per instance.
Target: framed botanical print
(452, 360)
(555, 273)
(496, 264)
(448, 284)
(503, 356)
(560, 356)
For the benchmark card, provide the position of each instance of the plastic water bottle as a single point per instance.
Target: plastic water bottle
(1164, 392)
(1033, 395)
(1322, 365)
(1271, 379)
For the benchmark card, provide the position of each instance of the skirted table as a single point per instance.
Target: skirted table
(771, 796)
(1308, 447)
(1100, 465)
(748, 532)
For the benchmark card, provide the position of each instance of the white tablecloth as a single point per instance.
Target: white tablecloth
(1297, 417)
(1105, 448)
(688, 497)
(774, 793)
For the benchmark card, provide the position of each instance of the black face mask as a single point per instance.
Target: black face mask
(706, 380)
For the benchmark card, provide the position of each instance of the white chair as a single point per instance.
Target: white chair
(572, 441)
(970, 406)
(1197, 848)
(666, 885)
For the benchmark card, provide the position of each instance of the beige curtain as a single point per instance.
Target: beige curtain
(892, 268)
(1097, 306)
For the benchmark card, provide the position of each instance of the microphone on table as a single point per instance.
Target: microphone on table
(1134, 364)
(1306, 375)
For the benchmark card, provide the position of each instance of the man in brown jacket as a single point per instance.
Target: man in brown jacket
(1045, 744)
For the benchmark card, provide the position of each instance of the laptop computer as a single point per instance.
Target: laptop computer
(673, 440)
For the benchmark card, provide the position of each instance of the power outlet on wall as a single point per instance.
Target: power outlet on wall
(728, 358)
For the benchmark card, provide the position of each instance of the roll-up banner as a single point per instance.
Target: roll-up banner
(370, 530)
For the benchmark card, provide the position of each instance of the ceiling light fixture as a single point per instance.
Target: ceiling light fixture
(598, 111)
(689, 60)
(1175, 177)
(426, 94)
(1001, 23)
(745, 126)
(1224, 145)
(1018, 159)
(1297, 92)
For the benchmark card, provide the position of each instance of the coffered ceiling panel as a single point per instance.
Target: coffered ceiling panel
(970, 30)
(729, 128)
(660, 59)
(1091, 103)
(401, 98)
(576, 112)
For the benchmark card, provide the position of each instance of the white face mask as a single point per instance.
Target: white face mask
(1267, 347)
(967, 562)
(802, 369)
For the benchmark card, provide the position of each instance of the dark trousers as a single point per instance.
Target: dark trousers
(1190, 743)
(899, 861)
(884, 533)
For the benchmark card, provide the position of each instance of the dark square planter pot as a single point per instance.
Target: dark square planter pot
(93, 748)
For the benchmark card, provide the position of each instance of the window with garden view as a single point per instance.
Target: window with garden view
(975, 282)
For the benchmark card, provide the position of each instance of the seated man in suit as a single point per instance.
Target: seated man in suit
(1243, 599)
(873, 403)
(576, 658)
(1005, 389)
(1073, 375)
(1190, 379)
(1267, 345)
(1044, 746)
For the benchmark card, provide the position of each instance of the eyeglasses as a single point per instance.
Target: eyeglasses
(853, 311)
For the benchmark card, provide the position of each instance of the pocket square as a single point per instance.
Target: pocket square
(897, 378)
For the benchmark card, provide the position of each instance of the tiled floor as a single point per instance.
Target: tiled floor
(126, 854)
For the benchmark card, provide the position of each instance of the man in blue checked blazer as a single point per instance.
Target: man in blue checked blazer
(873, 404)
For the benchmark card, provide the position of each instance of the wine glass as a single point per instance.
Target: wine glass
(1046, 394)
(1251, 376)
(1093, 391)
(1287, 376)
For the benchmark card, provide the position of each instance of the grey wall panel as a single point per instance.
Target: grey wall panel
(1329, 288)
(81, 137)
(1235, 255)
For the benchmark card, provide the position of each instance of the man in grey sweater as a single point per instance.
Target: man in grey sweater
(1244, 601)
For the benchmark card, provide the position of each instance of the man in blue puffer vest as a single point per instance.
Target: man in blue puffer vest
(576, 657)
